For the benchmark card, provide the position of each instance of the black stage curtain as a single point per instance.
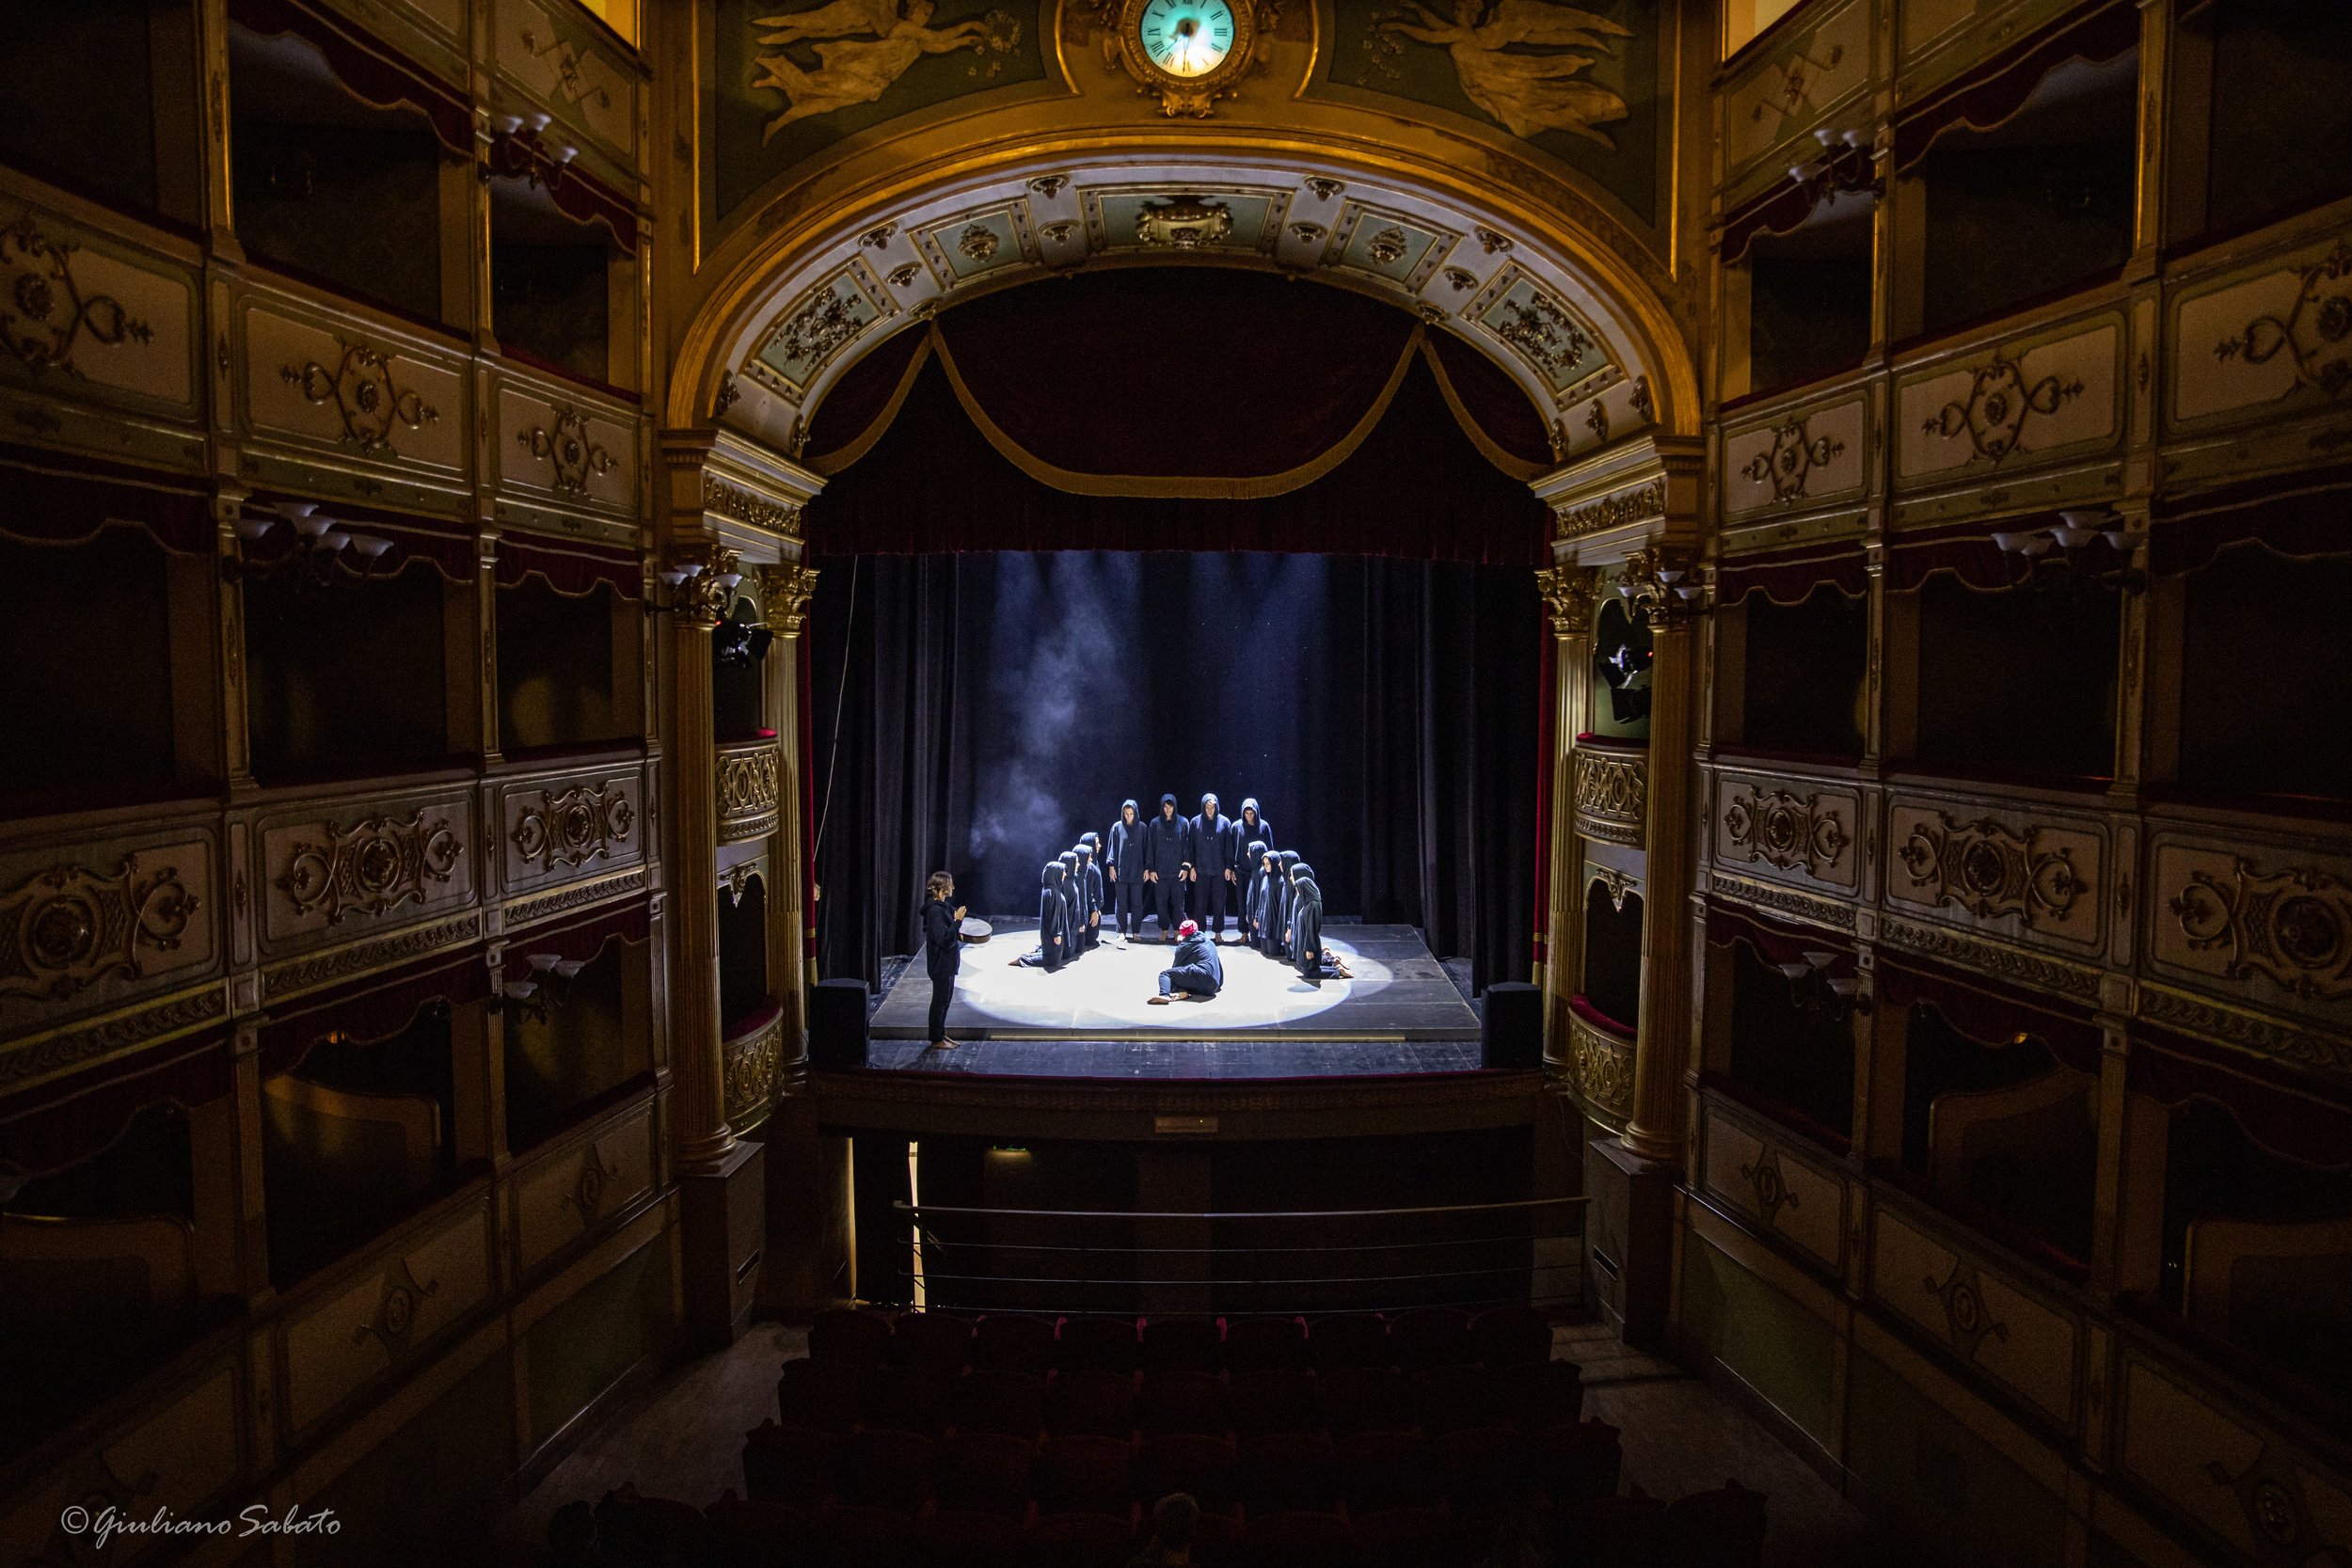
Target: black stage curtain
(997, 706)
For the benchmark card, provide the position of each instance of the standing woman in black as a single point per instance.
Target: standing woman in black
(943, 951)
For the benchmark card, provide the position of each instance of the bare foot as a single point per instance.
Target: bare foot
(1157, 1001)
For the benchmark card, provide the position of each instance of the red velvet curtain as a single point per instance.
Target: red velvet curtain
(2301, 515)
(372, 70)
(568, 568)
(44, 504)
(1790, 577)
(1997, 88)
(68, 1119)
(1989, 1011)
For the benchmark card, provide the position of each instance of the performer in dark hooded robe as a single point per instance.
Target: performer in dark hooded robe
(1285, 897)
(1216, 852)
(1166, 855)
(1307, 951)
(1053, 922)
(1073, 896)
(1123, 870)
(1196, 973)
(943, 951)
(1268, 906)
(1254, 824)
(1090, 881)
(1254, 884)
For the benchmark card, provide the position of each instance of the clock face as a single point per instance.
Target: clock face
(1188, 38)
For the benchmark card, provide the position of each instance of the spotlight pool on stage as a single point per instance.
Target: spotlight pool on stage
(1399, 991)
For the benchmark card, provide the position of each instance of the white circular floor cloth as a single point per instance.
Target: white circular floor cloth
(1111, 988)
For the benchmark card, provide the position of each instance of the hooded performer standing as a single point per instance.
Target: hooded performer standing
(1284, 900)
(1254, 824)
(1052, 922)
(1216, 852)
(1090, 881)
(1197, 971)
(1167, 853)
(1253, 887)
(1123, 869)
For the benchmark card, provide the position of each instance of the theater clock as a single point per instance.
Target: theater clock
(1188, 52)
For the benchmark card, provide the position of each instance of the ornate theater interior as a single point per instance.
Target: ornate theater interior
(1771, 576)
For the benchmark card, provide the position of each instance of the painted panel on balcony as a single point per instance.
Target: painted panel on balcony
(1807, 458)
(2275, 340)
(386, 1315)
(356, 393)
(1789, 830)
(2230, 1477)
(337, 872)
(1784, 92)
(1780, 1190)
(94, 924)
(569, 827)
(2020, 873)
(580, 77)
(2012, 405)
(177, 1460)
(569, 1194)
(1976, 1312)
(82, 314)
(567, 451)
(2271, 924)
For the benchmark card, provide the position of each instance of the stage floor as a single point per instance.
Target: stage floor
(1400, 995)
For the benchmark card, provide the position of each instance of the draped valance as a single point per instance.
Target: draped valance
(1774, 942)
(379, 1008)
(1989, 1013)
(571, 569)
(44, 504)
(2284, 1117)
(69, 1119)
(368, 68)
(1790, 577)
(2302, 516)
(1994, 93)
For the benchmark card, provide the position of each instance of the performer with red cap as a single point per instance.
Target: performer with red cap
(1198, 971)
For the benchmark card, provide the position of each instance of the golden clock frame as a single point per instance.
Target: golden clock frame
(1190, 97)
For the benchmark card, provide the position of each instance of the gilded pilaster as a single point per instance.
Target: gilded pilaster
(1568, 595)
(704, 1137)
(1656, 587)
(785, 590)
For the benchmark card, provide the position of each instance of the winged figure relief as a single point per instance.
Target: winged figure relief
(1518, 61)
(862, 47)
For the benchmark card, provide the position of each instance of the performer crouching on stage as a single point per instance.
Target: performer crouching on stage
(1166, 855)
(1316, 963)
(1073, 899)
(1197, 973)
(943, 951)
(1052, 922)
(1253, 894)
(1123, 870)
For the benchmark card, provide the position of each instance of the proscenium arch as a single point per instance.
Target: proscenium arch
(872, 233)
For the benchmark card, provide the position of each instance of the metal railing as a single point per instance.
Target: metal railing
(1528, 1252)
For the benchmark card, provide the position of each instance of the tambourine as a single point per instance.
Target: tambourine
(976, 931)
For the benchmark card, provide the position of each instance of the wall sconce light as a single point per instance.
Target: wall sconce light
(1818, 995)
(2097, 550)
(321, 546)
(548, 986)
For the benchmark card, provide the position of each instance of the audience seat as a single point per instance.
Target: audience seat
(1287, 1472)
(1013, 1343)
(827, 1395)
(1304, 1539)
(1273, 1399)
(1090, 1400)
(1181, 1402)
(1007, 1402)
(1386, 1470)
(1200, 1467)
(1430, 1337)
(846, 1536)
(1448, 1399)
(1264, 1344)
(1722, 1529)
(755, 1533)
(953, 1539)
(1099, 1344)
(1079, 1541)
(940, 1340)
(1364, 1399)
(1577, 1463)
(789, 1464)
(1082, 1474)
(1402, 1538)
(1511, 1337)
(1485, 1467)
(986, 1472)
(1550, 1394)
(887, 1469)
(1608, 1532)
(908, 1399)
(1349, 1339)
(861, 1338)
(1182, 1344)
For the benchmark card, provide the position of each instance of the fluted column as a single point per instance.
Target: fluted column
(1568, 594)
(1661, 1052)
(704, 1138)
(784, 590)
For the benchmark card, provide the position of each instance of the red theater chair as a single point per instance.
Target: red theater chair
(1090, 1401)
(658, 1529)
(1366, 1399)
(908, 1399)
(1301, 1540)
(1079, 1541)
(827, 1395)
(1430, 1337)
(1200, 1467)
(849, 1333)
(1010, 1402)
(1082, 1475)
(789, 1464)
(1550, 1394)
(1578, 1463)
(1269, 1344)
(1511, 1337)
(1386, 1469)
(986, 1472)
(1273, 1399)
(954, 1540)
(845, 1536)
(887, 1469)
(1217, 1540)
(1349, 1339)
(1182, 1345)
(1099, 1344)
(1485, 1467)
(1180, 1402)
(1286, 1473)
(1403, 1538)
(756, 1534)
(1014, 1342)
(939, 1340)
(1608, 1532)
(1722, 1529)
(1449, 1399)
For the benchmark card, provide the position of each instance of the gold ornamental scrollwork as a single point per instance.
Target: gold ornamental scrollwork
(2315, 332)
(1999, 405)
(1783, 830)
(1602, 1070)
(395, 1322)
(577, 458)
(44, 315)
(1184, 223)
(749, 1073)
(1567, 596)
(373, 867)
(367, 400)
(1788, 463)
(574, 828)
(724, 500)
(784, 590)
(747, 792)
(1611, 796)
(71, 926)
(1990, 871)
(2293, 926)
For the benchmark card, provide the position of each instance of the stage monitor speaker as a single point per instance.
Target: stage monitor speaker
(1511, 1025)
(837, 1024)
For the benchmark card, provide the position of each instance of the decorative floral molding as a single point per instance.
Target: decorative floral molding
(747, 793)
(374, 868)
(43, 312)
(305, 974)
(750, 1074)
(1790, 462)
(2294, 926)
(2010, 963)
(70, 926)
(1567, 596)
(1999, 406)
(2316, 333)
(579, 825)
(57, 1054)
(785, 592)
(1603, 1069)
(722, 499)
(577, 458)
(1990, 871)
(1966, 1317)
(1611, 795)
(367, 400)
(1780, 830)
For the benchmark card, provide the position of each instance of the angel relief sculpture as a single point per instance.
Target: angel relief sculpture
(1516, 61)
(862, 47)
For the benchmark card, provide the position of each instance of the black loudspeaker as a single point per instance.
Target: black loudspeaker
(837, 1024)
(1511, 1025)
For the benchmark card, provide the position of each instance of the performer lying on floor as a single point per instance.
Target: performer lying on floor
(1198, 971)
(1052, 922)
